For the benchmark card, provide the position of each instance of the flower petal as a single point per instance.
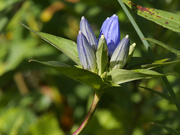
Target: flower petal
(111, 31)
(86, 53)
(120, 54)
(88, 32)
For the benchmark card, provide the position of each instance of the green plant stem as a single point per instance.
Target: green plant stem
(147, 46)
(92, 109)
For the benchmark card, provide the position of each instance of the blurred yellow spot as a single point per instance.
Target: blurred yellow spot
(48, 13)
(46, 16)
(9, 36)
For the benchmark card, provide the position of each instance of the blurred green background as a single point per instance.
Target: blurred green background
(36, 100)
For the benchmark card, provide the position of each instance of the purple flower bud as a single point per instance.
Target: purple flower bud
(111, 31)
(86, 53)
(120, 54)
(86, 29)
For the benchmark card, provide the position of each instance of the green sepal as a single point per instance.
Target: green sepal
(131, 51)
(102, 55)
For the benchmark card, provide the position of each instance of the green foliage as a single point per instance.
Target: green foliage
(68, 47)
(102, 55)
(163, 18)
(35, 99)
(119, 76)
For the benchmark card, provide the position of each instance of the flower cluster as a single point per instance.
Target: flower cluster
(111, 52)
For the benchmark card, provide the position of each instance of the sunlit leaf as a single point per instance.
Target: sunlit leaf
(163, 18)
(68, 47)
(119, 76)
(163, 45)
(75, 73)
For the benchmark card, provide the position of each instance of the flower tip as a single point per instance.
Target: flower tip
(80, 32)
(127, 36)
(114, 15)
(134, 44)
(82, 18)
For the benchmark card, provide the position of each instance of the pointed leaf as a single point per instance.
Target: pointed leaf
(158, 63)
(163, 18)
(77, 74)
(177, 52)
(68, 47)
(165, 96)
(136, 62)
(119, 76)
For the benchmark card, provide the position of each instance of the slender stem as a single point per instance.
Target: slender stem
(147, 46)
(95, 102)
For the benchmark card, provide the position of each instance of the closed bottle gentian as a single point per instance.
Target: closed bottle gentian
(120, 54)
(86, 45)
(111, 31)
(117, 50)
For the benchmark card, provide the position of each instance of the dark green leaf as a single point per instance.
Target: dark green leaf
(169, 98)
(68, 47)
(75, 73)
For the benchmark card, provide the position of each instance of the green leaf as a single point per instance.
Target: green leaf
(102, 55)
(136, 62)
(169, 98)
(68, 47)
(163, 18)
(158, 63)
(75, 73)
(119, 76)
(170, 130)
(163, 45)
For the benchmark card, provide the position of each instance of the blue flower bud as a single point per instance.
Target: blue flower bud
(86, 53)
(111, 31)
(86, 29)
(120, 54)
